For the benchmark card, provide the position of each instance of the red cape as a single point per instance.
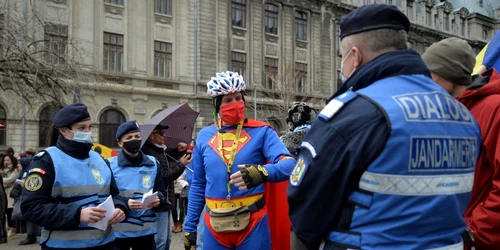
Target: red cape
(277, 211)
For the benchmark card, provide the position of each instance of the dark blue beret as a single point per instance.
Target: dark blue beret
(125, 128)
(373, 17)
(70, 114)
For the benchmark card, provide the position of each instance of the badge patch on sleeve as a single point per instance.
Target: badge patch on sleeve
(298, 172)
(33, 182)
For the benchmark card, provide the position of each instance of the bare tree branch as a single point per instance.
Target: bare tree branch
(38, 63)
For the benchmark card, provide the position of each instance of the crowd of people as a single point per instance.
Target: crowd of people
(13, 170)
(405, 155)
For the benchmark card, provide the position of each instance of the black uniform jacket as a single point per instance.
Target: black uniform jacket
(40, 208)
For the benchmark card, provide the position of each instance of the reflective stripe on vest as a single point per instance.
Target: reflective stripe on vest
(413, 195)
(128, 230)
(417, 185)
(71, 191)
(90, 179)
(79, 238)
(133, 182)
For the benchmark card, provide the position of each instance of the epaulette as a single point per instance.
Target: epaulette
(39, 155)
(335, 105)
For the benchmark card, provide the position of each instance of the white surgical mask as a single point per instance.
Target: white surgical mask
(342, 77)
(82, 137)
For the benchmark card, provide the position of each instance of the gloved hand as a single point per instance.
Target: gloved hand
(189, 240)
(249, 176)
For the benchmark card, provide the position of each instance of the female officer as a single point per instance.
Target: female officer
(136, 174)
(65, 184)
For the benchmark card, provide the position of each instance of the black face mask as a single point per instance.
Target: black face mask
(132, 146)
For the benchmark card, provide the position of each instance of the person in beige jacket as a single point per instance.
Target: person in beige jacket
(10, 169)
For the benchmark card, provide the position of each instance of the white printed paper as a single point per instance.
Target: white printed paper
(109, 206)
(148, 198)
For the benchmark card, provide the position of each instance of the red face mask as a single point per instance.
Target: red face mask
(233, 113)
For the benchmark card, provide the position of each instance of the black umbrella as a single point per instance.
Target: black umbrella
(180, 121)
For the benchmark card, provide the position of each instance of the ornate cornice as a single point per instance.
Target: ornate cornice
(430, 3)
(113, 9)
(163, 19)
(271, 38)
(64, 2)
(446, 6)
(464, 12)
(239, 31)
(301, 44)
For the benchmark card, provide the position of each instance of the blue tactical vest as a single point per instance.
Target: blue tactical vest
(414, 194)
(133, 182)
(90, 179)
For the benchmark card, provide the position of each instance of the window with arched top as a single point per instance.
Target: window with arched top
(3, 128)
(108, 124)
(156, 112)
(44, 121)
(485, 34)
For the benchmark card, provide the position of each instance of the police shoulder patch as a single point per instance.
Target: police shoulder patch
(336, 104)
(37, 170)
(33, 183)
(298, 172)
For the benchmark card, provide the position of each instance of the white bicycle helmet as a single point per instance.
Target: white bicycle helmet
(225, 83)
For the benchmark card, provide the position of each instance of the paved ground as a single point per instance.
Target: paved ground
(12, 244)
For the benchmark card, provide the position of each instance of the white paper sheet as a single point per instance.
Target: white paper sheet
(148, 198)
(109, 206)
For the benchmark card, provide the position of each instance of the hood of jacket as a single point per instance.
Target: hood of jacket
(485, 85)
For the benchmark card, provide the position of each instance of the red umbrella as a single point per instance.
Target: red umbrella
(2, 126)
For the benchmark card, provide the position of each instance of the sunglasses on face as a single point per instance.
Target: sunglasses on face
(158, 133)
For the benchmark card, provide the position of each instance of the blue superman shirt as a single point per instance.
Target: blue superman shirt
(258, 144)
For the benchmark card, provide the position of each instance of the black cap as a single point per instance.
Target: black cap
(160, 127)
(125, 128)
(70, 114)
(10, 150)
(373, 17)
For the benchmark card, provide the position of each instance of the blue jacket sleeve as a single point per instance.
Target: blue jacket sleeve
(196, 195)
(334, 154)
(189, 173)
(281, 162)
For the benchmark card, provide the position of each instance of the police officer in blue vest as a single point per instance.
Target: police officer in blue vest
(66, 182)
(136, 174)
(389, 162)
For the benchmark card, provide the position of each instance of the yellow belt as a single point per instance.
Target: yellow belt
(234, 202)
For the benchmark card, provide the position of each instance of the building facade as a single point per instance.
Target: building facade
(154, 54)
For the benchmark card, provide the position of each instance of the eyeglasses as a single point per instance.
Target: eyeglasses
(158, 133)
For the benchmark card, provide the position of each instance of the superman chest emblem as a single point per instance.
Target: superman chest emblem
(225, 148)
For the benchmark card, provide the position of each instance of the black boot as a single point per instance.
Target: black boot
(29, 240)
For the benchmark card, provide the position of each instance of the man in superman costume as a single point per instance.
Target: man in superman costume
(230, 171)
